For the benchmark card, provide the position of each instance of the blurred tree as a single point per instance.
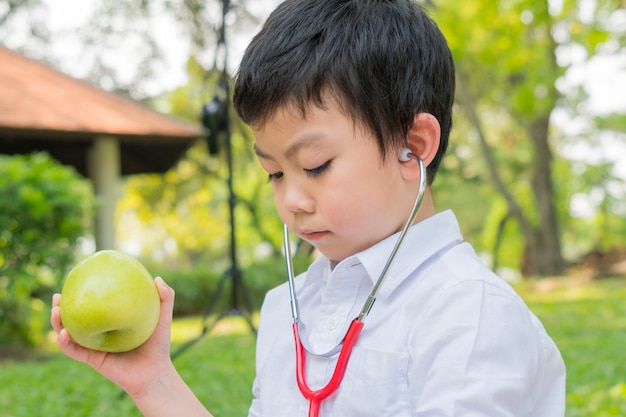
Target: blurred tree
(506, 56)
(133, 29)
(24, 22)
(511, 56)
(182, 216)
(45, 210)
(122, 43)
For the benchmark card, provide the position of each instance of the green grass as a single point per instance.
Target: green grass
(586, 319)
(219, 369)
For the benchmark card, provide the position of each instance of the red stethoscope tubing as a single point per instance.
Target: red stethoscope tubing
(316, 397)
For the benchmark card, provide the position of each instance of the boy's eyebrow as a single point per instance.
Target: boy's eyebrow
(260, 153)
(306, 140)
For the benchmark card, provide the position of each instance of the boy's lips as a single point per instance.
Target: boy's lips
(312, 235)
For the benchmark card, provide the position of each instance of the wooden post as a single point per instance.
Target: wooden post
(103, 162)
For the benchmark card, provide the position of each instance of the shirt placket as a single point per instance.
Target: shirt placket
(336, 311)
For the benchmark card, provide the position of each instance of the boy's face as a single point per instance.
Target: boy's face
(330, 184)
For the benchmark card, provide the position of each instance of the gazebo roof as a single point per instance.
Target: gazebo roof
(42, 109)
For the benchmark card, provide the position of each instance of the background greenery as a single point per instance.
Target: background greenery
(509, 173)
(195, 287)
(45, 211)
(529, 169)
(587, 320)
(506, 163)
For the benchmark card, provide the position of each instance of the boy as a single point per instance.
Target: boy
(334, 90)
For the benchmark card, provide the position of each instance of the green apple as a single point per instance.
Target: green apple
(109, 302)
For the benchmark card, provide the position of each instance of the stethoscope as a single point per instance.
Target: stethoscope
(316, 397)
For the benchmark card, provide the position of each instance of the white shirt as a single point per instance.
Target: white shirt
(445, 337)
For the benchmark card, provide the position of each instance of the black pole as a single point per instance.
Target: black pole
(234, 272)
(216, 119)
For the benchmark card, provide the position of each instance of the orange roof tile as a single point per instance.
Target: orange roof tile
(44, 109)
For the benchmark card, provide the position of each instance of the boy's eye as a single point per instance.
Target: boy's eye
(275, 176)
(317, 170)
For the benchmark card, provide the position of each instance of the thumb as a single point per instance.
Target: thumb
(166, 293)
(162, 333)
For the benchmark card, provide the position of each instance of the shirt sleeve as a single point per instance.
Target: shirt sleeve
(483, 353)
(255, 407)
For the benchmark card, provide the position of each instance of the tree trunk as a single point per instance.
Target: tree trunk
(545, 257)
(543, 249)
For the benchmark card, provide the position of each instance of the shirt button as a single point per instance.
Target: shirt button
(332, 322)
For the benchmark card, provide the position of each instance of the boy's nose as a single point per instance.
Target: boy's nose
(297, 200)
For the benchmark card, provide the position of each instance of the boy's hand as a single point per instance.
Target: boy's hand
(133, 371)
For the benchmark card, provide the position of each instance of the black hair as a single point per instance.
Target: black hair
(384, 60)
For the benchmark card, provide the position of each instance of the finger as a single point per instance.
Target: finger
(64, 341)
(71, 349)
(163, 330)
(55, 319)
(167, 299)
(165, 291)
(56, 299)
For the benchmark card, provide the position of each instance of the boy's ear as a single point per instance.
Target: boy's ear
(424, 136)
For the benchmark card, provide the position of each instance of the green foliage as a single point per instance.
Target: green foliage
(45, 208)
(506, 54)
(195, 286)
(603, 228)
(498, 236)
(507, 57)
(613, 122)
(183, 215)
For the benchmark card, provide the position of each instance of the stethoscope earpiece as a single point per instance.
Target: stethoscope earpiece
(404, 155)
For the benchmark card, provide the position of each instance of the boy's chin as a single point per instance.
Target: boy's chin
(334, 258)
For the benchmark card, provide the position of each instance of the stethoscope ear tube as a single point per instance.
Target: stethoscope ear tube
(416, 205)
(290, 275)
